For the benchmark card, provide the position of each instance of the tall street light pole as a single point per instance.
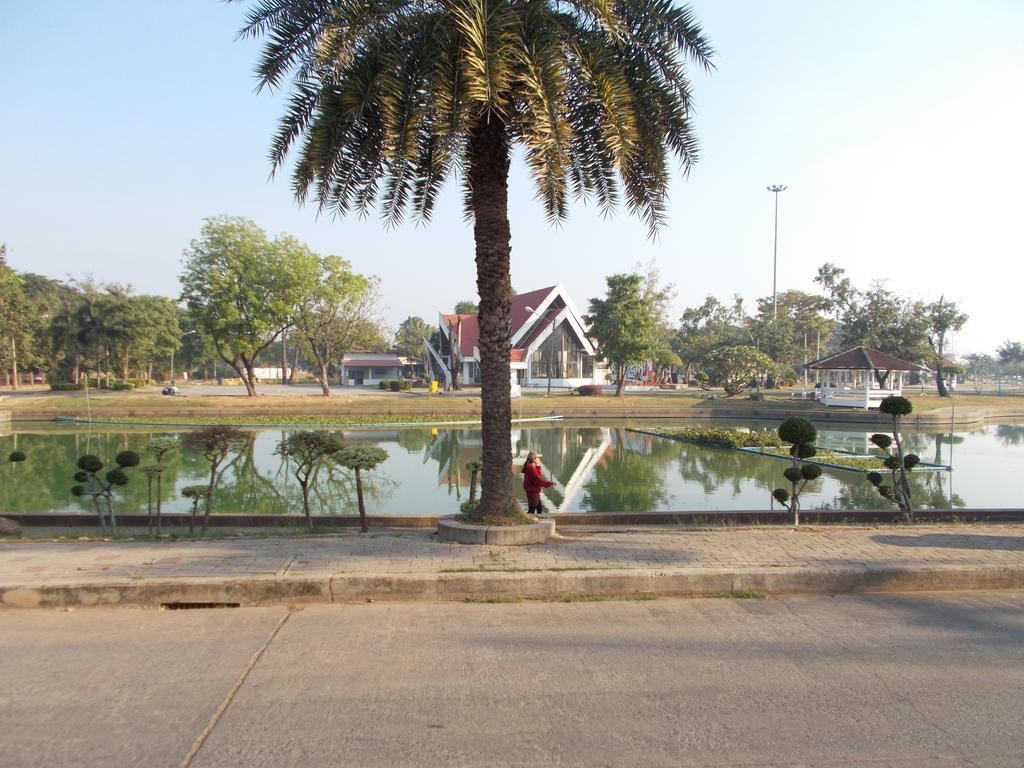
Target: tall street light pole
(776, 188)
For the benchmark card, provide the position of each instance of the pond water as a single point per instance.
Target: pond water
(596, 467)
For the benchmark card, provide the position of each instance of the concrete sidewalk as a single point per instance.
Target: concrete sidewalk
(579, 562)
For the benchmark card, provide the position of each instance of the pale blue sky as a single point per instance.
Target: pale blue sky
(896, 125)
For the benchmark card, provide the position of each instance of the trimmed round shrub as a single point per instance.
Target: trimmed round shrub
(395, 385)
(474, 465)
(90, 463)
(405, 385)
(892, 462)
(77, 490)
(885, 491)
(589, 390)
(117, 476)
(792, 474)
(894, 405)
(382, 384)
(194, 491)
(805, 451)
(16, 456)
(81, 477)
(875, 478)
(781, 495)
(881, 440)
(127, 459)
(797, 430)
(911, 460)
(810, 471)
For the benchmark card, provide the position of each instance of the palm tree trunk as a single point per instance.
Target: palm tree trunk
(488, 153)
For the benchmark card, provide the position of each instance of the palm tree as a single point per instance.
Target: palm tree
(387, 99)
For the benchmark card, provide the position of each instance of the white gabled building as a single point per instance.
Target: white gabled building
(549, 340)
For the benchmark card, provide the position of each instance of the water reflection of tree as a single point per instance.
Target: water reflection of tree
(1010, 434)
(43, 483)
(715, 468)
(627, 479)
(927, 489)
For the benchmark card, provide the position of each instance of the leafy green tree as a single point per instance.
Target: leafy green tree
(337, 315)
(943, 317)
(45, 298)
(624, 325)
(703, 329)
(13, 318)
(736, 366)
(307, 451)
(388, 100)
(242, 288)
(359, 458)
(1011, 356)
(788, 331)
(214, 444)
(466, 307)
(875, 318)
(411, 333)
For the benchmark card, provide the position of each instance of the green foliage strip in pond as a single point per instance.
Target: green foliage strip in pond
(716, 437)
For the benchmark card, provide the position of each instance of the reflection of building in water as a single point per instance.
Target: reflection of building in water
(569, 458)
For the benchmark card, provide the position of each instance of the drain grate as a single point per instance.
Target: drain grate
(194, 606)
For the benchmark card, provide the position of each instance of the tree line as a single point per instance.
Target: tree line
(722, 343)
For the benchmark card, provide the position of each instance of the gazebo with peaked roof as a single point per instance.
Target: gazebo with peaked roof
(860, 377)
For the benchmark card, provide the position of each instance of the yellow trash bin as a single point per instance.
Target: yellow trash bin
(433, 386)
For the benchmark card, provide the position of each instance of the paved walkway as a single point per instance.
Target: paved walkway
(415, 563)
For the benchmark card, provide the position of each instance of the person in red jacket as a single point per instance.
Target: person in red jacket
(533, 482)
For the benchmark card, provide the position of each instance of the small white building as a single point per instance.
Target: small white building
(370, 368)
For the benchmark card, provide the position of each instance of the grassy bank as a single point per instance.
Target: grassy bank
(420, 406)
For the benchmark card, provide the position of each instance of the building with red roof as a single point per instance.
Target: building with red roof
(550, 346)
(860, 377)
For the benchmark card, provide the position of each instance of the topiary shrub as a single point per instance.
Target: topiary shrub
(394, 385)
(801, 434)
(214, 443)
(897, 464)
(382, 385)
(358, 458)
(101, 490)
(405, 385)
(798, 431)
(589, 390)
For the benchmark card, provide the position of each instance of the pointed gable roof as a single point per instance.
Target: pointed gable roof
(520, 302)
(863, 359)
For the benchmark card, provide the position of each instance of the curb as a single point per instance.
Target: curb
(536, 585)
